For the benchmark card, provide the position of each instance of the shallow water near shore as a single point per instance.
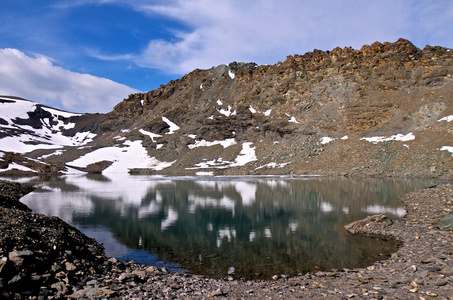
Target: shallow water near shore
(253, 227)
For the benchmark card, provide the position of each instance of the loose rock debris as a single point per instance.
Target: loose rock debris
(44, 258)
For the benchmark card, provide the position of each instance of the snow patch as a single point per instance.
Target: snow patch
(14, 166)
(61, 113)
(231, 74)
(204, 173)
(58, 152)
(272, 165)
(246, 155)
(447, 148)
(123, 158)
(252, 110)
(47, 137)
(219, 102)
(72, 171)
(326, 140)
(447, 118)
(173, 126)
(150, 134)
(83, 138)
(397, 137)
(203, 143)
(217, 163)
(20, 144)
(345, 137)
(267, 112)
(293, 120)
(227, 112)
(118, 137)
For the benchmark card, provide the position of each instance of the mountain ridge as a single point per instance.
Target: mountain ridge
(318, 113)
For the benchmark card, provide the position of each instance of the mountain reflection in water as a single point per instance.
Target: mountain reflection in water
(252, 226)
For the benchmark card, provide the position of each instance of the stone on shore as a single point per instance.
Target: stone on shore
(371, 223)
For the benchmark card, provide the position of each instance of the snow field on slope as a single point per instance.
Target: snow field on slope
(18, 109)
(45, 138)
(246, 155)
(123, 158)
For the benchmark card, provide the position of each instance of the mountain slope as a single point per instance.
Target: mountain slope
(382, 110)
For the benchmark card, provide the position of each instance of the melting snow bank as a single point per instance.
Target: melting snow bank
(150, 134)
(447, 148)
(246, 155)
(123, 158)
(397, 137)
(325, 140)
(272, 165)
(173, 126)
(225, 143)
(13, 166)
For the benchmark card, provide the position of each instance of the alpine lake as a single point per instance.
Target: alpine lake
(250, 227)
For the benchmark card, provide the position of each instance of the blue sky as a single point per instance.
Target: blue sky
(87, 55)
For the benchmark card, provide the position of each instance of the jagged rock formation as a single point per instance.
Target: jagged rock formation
(382, 110)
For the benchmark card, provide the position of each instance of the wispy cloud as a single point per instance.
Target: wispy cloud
(145, 43)
(50, 84)
(266, 31)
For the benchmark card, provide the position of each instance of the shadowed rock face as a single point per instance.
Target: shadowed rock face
(383, 90)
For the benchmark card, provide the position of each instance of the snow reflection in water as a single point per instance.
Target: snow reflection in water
(256, 226)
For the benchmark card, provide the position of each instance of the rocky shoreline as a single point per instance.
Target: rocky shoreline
(44, 258)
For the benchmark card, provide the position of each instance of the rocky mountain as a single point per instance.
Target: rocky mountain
(383, 110)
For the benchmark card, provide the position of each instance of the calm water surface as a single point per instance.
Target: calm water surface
(249, 226)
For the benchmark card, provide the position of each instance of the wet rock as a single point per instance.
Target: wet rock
(445, 223)
(371, 223)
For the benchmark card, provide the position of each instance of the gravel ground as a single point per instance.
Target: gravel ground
(44, 258)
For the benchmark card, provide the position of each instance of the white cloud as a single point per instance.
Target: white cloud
(267, 31)
(38, 79)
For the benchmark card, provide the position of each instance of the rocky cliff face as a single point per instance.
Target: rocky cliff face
(385, 109)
